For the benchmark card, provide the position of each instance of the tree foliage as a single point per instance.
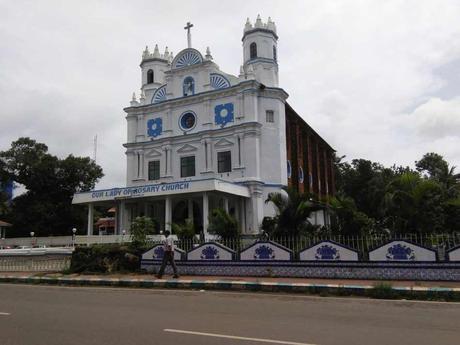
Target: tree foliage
(140, 228)
(50, 183)
(184, 231)
(222, 224)
(293, 211)
(397, 199)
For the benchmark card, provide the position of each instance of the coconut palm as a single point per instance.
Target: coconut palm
(293, 211)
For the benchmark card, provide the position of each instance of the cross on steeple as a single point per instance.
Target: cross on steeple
(189, 35)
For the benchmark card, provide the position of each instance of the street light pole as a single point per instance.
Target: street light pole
(32, 234)
(74, 231)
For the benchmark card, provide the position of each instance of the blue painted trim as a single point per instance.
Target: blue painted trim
(327, 264)
(180, 120)
(218, 90)
(179, 181)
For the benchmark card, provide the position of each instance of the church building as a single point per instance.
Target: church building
(199, 138)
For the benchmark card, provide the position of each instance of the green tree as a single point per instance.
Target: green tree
(292, 212)
(50, 183)
(185, 231)
(414, 204)
(348, 219)
(222, 224)
(140, 228)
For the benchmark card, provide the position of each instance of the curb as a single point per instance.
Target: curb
(385, 292)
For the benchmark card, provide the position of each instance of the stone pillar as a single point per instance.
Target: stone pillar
(205, 213)
(257, 207)
(122, 217)
(168, 213)
(90, 219)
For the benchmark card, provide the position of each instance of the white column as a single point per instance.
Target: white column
(243, 215)
(168, 213)
(205, 213)
(226, 204)
(90, 219)
(170, 161)
(190, 209)
(122, 216)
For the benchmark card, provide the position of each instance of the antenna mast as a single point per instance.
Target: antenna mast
(95, 148)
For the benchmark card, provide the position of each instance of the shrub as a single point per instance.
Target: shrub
(140, 228)
(106, 258)
(222, 224)
(383, 291)
(184, 231)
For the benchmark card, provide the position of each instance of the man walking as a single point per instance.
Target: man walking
(168, 255)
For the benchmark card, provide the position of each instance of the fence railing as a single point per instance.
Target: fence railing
(362, 244)
(34, 263)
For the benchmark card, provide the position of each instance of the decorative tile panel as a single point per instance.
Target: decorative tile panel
(454, 254)
(156, 253)
(266, 250)
(211, 251)
(402, 251)
(328, 251)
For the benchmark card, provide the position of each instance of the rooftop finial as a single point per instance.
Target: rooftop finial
(146, 52)
(134, 100)
(208, 54)
(166, 56)
(189, 35)
(258, 23)
(156, 52)
(142, 97)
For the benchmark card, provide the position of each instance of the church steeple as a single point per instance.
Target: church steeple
(260, 51)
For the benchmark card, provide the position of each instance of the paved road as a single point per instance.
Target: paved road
(35, 315)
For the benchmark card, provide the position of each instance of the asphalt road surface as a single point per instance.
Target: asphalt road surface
(36, 315)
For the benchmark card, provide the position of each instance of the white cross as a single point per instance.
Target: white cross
(189, 36)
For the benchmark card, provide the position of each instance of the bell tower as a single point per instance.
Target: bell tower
(260, 60)
(153, 66)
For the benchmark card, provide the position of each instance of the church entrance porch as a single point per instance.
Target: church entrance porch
(178, 209)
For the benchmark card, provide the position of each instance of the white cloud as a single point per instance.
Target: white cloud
(352, 70)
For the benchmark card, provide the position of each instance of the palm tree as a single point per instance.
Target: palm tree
(414, 204)
(293, 211)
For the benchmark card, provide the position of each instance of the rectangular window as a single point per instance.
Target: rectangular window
(224, 162)
(270, 116)
(187, 166)
(154, 170)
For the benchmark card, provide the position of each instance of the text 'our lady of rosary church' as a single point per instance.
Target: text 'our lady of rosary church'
(199, 138)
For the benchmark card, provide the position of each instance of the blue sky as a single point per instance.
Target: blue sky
(377, 79)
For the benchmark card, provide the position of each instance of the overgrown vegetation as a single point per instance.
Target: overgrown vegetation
(106, 258)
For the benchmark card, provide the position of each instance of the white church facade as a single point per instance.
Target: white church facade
(199, 138)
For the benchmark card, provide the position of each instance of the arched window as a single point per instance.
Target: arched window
(274, 53)
(188, 86)
(150, 76)
(253, 50)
